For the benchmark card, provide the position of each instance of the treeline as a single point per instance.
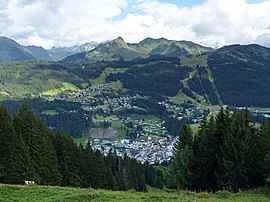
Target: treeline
(228, 152)
(68, 117)
(29, 151)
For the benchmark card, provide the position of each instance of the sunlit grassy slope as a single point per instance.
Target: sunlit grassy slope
(23, 79)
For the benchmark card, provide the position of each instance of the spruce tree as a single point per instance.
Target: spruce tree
(14, 158)
(69, 158)
(237, 154)
(264, 151)
(183, 159)
(86, 168)
(48, 167)
(205, 158)
(25, 124)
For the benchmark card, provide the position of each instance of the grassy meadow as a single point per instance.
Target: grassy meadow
(46, 193)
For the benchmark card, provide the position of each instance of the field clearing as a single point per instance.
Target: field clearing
(102, 77)
(194, 60)
(34, 193)
(115, 85)
(115, 132)
(181, 98)
(50, 112)
(65, 88)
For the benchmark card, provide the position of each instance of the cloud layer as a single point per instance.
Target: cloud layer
(66, 22)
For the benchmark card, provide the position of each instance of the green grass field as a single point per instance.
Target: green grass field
(43, 193)
(28, 79)
(66, 87)
(194, 60)
(180, 98)
(50, 112)
(102, 78)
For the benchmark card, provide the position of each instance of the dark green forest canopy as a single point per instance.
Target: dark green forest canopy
(228, 152)
(241, 75)
(29, 151)
(68, 117)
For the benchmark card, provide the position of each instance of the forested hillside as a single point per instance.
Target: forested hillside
(67, 117)
(241, 75)
(228, 152)
(29, 151)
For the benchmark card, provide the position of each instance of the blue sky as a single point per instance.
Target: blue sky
(187, 3)
(180, 3)
(190, 3)
(213, 23)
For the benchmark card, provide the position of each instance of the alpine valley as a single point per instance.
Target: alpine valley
(130, 101)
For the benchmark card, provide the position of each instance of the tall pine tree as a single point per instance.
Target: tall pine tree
(183, 159)
(14, 159)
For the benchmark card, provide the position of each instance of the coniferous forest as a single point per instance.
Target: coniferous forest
(228, 152)
(30, 151)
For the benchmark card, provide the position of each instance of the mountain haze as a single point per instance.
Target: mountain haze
(10, 51)
(63, 52)
(40, 53)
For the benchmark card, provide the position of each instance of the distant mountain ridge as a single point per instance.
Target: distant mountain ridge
(236, 75)
(63, 52)
(119, 50)
(10, 51)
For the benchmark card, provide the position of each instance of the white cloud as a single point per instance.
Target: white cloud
(61, 22)
(214, 23)
(69, 22)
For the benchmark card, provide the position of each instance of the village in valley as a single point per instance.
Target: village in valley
(119, 124)
(141, 136)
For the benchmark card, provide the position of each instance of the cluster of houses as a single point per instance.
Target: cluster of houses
(82, 94)
(194, 114)
(151, 151)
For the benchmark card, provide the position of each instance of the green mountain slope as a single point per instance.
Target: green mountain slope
(12, 51)
(119, 50)
(169, 48)
(234, 75)
(241, 74)
(24, 79)
(40, 53)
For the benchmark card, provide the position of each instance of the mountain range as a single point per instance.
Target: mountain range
(119, 50)
(115, 50)
(236, 75)
(10, 50)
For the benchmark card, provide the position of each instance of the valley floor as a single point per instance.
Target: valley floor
(47, 193)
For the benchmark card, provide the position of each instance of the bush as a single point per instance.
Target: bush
(223, 194)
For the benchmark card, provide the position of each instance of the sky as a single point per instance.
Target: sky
(59, 23)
